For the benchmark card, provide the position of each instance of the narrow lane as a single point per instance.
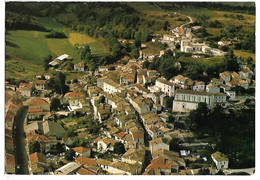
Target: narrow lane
(21, 158)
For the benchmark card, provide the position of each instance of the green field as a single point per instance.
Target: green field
(211, 61)
(30, 46)
(21, 69)
(51, 23)
(244, 54)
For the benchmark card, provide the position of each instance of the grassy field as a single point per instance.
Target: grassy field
(51, 23)
(97, 45)
(211, 61)
(21, 69)
(29, 46)
(244, 54)
(151, 48)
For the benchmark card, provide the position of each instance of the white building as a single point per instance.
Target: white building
(111, 87)
(186, 100)
(220, 160)
(199, 86)
(165, 86)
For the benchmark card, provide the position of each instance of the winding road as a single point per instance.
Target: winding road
(21, 158)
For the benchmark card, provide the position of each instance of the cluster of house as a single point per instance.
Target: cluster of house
(13, 106)
(187, 41)
(129, 101)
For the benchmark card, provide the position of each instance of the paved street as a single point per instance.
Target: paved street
(20, 153)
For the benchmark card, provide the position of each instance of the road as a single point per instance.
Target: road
(248, 170)
(21, 157)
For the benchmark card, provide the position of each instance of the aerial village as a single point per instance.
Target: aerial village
(116, 120)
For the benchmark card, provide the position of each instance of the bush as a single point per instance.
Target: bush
(55, 34)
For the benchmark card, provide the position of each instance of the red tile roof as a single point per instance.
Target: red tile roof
(35, 110)
(69, 94)
(132, 92)
(120, 135)
(25, 85)
(38, 101)
(9, 160)
(40, 81)
(37, 157)
(83, 171)
(138, 135)
(39, 138)
(85, 161)
(81, 149)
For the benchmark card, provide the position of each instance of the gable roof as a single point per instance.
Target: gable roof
(84, 171)
(120, 135)
(37, 157)
(40, 81)
(38, 102)
(81, 149)
(50, 126)
(85, 161)
(219, 156)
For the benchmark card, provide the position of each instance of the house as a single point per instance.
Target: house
(39, 159)
(25, 91)
(226, 76)
(133, 156)
(40, 103)
(164, 163)
(40, 84)
(141, 89)
(186, 100)
(196, 48)
(112, 87)
(154, 131)
(103, 114)
(73, 95)
(216, 82)
(85, 161)
(68, 169)
(85, 171)
(210, 88)
(199, 86)
(224, 43)
(245, 73)
(121, 168)
(231, 94)
(139, 104)
(165, 86)
(158, 143)
(82, 151)
(51, 128)
(138, 137)
(151, 73)
(45, 75)
(220, 160)
(119, 136)
(80, 67)
(9, 164)
(106, 144)
(101, 80)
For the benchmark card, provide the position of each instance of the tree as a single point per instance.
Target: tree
(34, 147)
(231, 62)
(46, 62)
(59, 85)
(198, 118)
(55, 103)
(70, 155)
(70, 66)
(119, 148)
(85, 53)
(204, 171)
(135, 53)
